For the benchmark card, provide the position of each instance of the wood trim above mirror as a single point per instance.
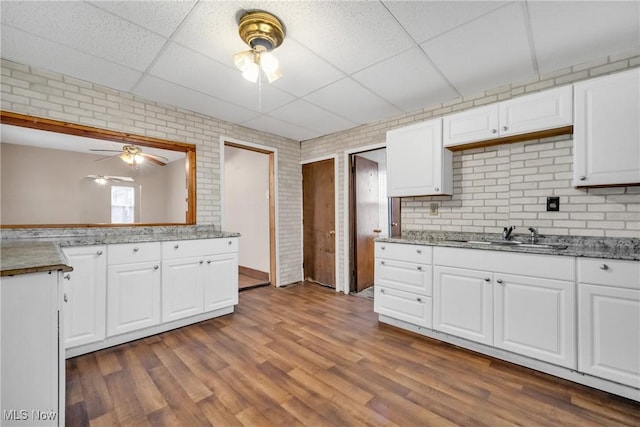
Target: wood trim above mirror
(23, 120)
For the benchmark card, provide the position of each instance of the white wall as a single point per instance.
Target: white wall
(246, 208)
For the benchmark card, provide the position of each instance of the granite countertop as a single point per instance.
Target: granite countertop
(22, 257)
(591, 247)
(38, 249)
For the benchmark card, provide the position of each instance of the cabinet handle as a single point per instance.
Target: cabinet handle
(229, 242)
(419, 299)
(155, 267)
(499, 281)
(382, 291)
(419, 251)
(583, 178)
(176, 246)
(436, 189)
(201, 262)
(494, 130)
(208, 261)
(487, 279)
(135, 249)
(382, 262)
(65, 298)
(604, 267)
(99, 253)
(504, 128)
(67, 276)
(420, 267)
(383, 247)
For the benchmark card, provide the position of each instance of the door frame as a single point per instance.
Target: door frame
(274, 243)
(347, 207)
(334, 157)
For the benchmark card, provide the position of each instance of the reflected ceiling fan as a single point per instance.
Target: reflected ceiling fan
(103, 179)
(133, 155)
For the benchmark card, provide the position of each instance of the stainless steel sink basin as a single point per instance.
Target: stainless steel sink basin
(513, 243)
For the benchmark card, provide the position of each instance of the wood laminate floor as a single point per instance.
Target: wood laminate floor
(247, 282)
(305, 355)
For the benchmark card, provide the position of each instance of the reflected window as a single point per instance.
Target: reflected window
(122, 205)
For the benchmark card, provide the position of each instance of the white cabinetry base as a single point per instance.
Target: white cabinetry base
(143, 333)
(548, 368)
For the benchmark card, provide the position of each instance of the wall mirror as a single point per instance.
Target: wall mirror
(58, 174)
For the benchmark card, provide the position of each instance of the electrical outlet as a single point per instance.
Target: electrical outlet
(553, 204)
(433, 209)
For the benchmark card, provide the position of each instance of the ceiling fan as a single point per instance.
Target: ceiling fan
(133, 155)
(103, 179)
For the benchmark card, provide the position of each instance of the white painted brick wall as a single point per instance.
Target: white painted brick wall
(42, 93)
(506, 184)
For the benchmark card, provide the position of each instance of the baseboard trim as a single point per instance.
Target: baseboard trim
(256, 274)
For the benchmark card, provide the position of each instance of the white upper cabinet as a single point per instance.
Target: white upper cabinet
(607, 130)
(540, 111)
(417, 165)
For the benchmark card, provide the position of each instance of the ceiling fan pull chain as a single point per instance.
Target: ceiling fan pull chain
(260, 92)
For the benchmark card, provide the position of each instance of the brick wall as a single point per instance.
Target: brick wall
(505, 184)
(33, 91)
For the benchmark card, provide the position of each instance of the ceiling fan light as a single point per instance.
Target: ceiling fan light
(268, 62)
(243, 60)
(100, 180)
(251, 73)
(138, 158)
(273, 76)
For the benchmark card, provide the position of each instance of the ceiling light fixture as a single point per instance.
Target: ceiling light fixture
(263, 32)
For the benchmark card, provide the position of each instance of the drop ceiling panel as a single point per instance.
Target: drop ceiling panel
(86, 28)
(161, 17)
(312, 117)
(353, 102)
(486, 52)
(350, 35)
(278, 127)
(409, 81)
(425, 20)
(202, 74)
(168, 93)
(26, 48)
(597, 29)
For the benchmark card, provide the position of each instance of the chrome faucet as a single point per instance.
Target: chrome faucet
(506, 233)
(534, 234)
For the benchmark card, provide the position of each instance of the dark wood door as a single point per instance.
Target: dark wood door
(318, 217)
(367, 218)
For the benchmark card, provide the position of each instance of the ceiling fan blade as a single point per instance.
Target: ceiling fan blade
(119, 178)
(107, 157)
(108, 151)
(153, 159)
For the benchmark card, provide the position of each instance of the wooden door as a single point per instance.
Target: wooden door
(366, 219)
(318, 217)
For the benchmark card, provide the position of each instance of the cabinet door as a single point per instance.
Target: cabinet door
(220, 281)
(182, 287)
(535, 317)
(477, 124)
(133, 297)
(607, 130)
(608, 337)
(29, 365)
(86, 295)
(544, 110)
(463, 303)
(416, 163)
(405, 306)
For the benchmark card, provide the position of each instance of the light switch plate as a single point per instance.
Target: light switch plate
(553, 204)
(433, 209)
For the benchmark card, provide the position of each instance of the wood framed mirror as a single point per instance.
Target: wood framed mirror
(59, 174)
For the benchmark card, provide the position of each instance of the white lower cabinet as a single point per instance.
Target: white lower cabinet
(609, 320)
(536, 318)
(221, 281)
(85, 292)
(182, 288)
(403, 283)
(463, 303)
(133, 287)
(32, 369)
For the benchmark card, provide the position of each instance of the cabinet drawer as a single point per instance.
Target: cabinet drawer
(194, 248)
(404, 276)
(403, 306)
(129, 253)
(404, 252)
(608, 272)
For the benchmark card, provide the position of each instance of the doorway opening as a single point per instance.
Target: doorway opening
(319, 222)
(249, 208)
(371, 214)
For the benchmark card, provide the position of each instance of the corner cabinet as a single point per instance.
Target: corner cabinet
(607, 130)
(417, 164)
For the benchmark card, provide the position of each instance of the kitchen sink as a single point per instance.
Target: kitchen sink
(513, 243)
